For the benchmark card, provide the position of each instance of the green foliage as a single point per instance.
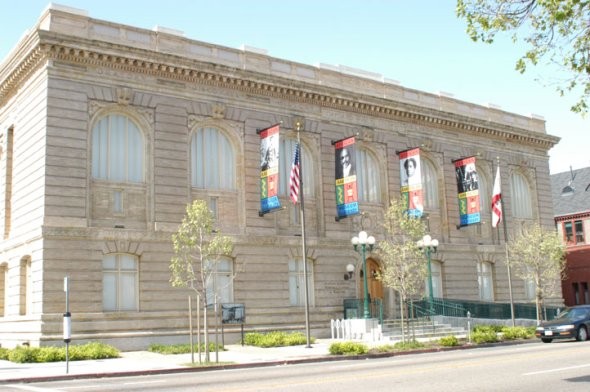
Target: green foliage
(514, 333)
(556, 31)
(409, 345)
(449, 341)
(384, 348)
(348, 348)
(483, 336)
(4, 353)
(93, 350)
(197, 248)
(181, 348)
(538, 255)
(404, 265)
(22, 354)
(486, 328)
(275, 339)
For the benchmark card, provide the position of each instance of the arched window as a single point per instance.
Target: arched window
(117, 150)
(297, 282)
(287, 150)
(485, 281)
(220, 281)
(485, 202)
(521, 196)
(367, 177)
(212, 160)
(429, 184)
(120, 282)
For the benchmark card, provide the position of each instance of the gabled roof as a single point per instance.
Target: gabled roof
(571, 192)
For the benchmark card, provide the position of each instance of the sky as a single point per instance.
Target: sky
(421, 44)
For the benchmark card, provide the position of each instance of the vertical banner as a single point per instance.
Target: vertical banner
(468, 191)
(346, 191)
(269, 169)
(411, 186)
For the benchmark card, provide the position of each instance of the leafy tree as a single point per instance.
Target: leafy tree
(404, 267)
(554, 30)
(538, 255)
(197, 249)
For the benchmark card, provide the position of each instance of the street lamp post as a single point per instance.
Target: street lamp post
(429, 246)
(364, 240)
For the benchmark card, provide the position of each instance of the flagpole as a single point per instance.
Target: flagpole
(302, 217)
(506, 255)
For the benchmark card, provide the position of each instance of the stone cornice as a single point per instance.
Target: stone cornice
(281, 88)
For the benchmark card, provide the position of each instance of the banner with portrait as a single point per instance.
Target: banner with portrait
(269, 169)
(346, 190)
(467, 191)
(411, 182)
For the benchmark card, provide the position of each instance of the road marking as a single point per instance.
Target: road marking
(144, 382)
(31, 388)
(556, 370)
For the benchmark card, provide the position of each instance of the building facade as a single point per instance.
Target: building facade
(107, 131)
(571, 203)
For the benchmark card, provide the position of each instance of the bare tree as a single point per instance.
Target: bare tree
(537, 255)
(404, 268)
(197, 251)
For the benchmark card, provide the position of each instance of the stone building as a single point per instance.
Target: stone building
(107, 131)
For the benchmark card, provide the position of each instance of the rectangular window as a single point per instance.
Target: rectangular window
(568, 231)
(118, 202)
(213, 206)
(297, 283)
(435, 268)
(586, 295)
(120, 283)
(485, 281)
(579, 232)
(219, 281)
(576, 293)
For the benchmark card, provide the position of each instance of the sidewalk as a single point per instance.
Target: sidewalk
(145, 362)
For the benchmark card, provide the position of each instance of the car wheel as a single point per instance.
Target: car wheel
(546, 340)
(582, 334)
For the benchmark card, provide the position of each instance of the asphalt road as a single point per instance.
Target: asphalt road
(559, 366)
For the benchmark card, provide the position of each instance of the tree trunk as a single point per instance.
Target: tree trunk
(206, 328)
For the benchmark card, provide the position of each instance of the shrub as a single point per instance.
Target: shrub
(275, 339)
(512, 333)
(4, 353)
(348, 348)
(409, 345)
(92, 350)
(385, 348)
(22, 354)
(50, 354)
(480, 336)
(488, 328)
(449, 341)
(181, 348)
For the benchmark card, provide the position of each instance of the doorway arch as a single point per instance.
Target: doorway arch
(374, 285)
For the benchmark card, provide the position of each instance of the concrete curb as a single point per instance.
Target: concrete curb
(280, 362)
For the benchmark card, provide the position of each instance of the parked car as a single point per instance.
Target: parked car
(573, 322)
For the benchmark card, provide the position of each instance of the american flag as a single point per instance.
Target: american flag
(497, 201)
(294, 183)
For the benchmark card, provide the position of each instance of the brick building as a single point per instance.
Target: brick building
(571, 205)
